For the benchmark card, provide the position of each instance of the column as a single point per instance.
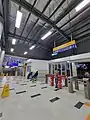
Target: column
(51, 69)
(61, 68)
(70, 69)
(74, 70)
(2, 53)
(65, 69)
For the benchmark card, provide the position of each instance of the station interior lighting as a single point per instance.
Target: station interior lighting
(13, 41)
(18, 19)
(46, 35)
(32, 47)
(25, 53)
(82, 4)
(12, 49)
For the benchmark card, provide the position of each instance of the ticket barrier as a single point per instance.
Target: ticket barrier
(87, 87)
(76, 83)
(70, 84)
(60, 81)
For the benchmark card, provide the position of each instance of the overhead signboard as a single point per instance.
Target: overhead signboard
(65, 47)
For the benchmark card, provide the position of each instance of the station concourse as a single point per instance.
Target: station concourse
(45, 59)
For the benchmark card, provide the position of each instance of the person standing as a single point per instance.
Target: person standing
(56, 78)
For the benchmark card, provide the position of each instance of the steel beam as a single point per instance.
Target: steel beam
(24, 39)
(6, 21)
(61, 3)
(38, 18)
(18, 36)
(67, 10)
(77, 14)
(32, 28)
(82, 36)
(37, 13)
(87, 18)
(28, 18)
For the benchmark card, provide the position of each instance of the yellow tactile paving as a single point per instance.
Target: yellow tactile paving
(87, 104)
(88, 117)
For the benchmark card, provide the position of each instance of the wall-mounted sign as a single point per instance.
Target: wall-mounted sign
(13, 61)
(65, 47)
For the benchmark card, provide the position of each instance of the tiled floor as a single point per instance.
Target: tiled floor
(23, 107)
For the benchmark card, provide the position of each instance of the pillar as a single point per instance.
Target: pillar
(2, 53)
(61, 68)
(51, 69)
(74, 70)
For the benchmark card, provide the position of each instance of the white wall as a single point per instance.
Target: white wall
(37, 65)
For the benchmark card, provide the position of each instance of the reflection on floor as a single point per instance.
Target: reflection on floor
(24, 107)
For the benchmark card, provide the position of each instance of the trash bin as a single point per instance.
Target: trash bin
(87, 87)
(70, 84)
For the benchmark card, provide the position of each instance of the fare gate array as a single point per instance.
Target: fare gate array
(69, 83)
(86, 86)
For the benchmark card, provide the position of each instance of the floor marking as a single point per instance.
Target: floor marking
(88, 117)
(56, 89)
(23, 84)
(20, 92)
(33, 86)
(12, 89)
(36, 95)
(87, 104)
(42, 83)
(43, 87)
(79, 105)
(54, 99)
(0, 114)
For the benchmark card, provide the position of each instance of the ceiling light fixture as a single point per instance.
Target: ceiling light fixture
(12, 49)
(25, 53)
(13, 41)
(32, 47)
(46, 35)
(18, 19)
(82, 4)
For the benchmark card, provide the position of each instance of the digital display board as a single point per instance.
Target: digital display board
(64, 47)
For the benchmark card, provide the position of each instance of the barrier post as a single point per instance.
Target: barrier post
(51, 80)
(59, 81)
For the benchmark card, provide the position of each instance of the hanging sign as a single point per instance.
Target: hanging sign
(65, 47)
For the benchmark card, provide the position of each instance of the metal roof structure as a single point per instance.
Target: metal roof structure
(39, 17)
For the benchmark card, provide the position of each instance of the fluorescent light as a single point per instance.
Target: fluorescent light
(46, 35)
(13, 41)
(18, 19)
(82, 4)
(25, 53)
(12, 49)
(32, 47)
